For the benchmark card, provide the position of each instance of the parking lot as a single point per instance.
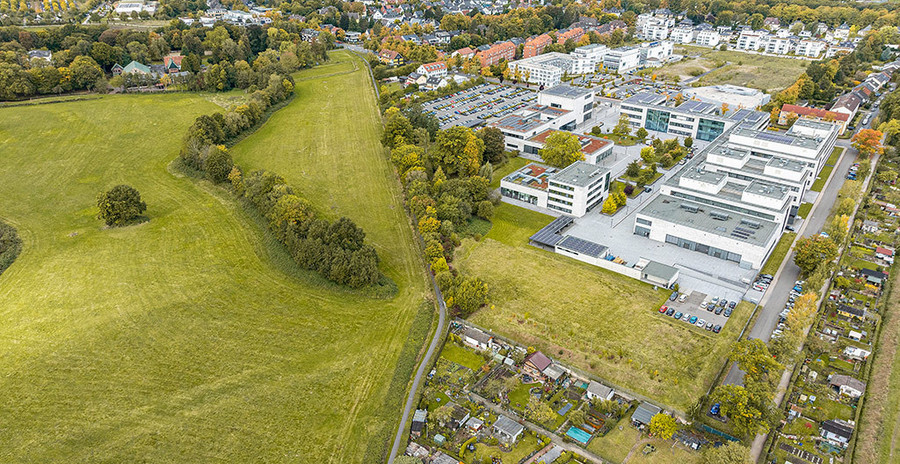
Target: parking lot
(689, 305)
(479, 105)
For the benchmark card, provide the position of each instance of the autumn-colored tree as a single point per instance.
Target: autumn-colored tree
(814, 251)
(663, 426)
(561, 149)
(868, 142)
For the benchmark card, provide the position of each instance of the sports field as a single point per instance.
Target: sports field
(597, 320)
(191, 337)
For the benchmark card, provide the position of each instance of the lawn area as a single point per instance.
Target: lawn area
(744, 69)
(824, 409)
(625, 141)
(819, 183)
(667, 452)
(804, 210)
(594, 319)
(616, 444)
(778, 253)
(466, 358)
(524, 447)
(191, 337)
(685, 69)
(521, 394)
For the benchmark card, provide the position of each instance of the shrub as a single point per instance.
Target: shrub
(629, 189)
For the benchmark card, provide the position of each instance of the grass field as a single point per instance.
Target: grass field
(455, 353)
(191, 337)
(782, 248)
(744, 69)
(592, 318)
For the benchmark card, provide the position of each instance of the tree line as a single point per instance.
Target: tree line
(218, 59)
(336, 250)
(446, 176)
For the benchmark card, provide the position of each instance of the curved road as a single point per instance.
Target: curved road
(438, 335)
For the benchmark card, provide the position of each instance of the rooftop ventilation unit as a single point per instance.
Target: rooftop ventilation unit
(689, 207)
(719, 216)
(751, 224)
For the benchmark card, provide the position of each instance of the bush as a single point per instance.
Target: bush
(629, 189)
(218, 164)
(120, 205)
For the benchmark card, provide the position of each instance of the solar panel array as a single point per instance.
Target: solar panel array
(742, 233)
(549, 235)
(583, 247)
(774, 138)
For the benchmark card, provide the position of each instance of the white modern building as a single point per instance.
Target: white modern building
(558, 108)
(547, 69)
(622, 59)
(777, 45)
(682, 35)
(733, 200)
(751, 41)
(574, 190)
(578, 100)
(708, 37)
(586, 59)
(811, 48)
(734, 96)
(655, 54)
(693, 118)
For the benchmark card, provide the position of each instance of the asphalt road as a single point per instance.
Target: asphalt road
(777, 295)
(438, 335)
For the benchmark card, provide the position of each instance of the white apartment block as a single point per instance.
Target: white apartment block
(682, 34)
(778, 45)
(810, 48)
(622, 59)
(546, 69)
(751, 41)
(656, 53)
(655, 31)
(586, 59)
(558, 108)
(708, 38)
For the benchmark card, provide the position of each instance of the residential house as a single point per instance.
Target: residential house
(391, 58)
(708, 36)
(810, 48)
(45, 55)
(846, 385)
(117, 69)
(136, 68)
(816, 114)
(840, 49)
(598, 390)
(851, 312)
(434, 83)
(873, 277)
(847, 103)
(435, 69)
(573, 34)
(507, 430)
(837, 432)
(476, 339)
(415, 78)
(842, 32)
(172, 63)
(682, 34)
(642, 415)
(751, 41)
(464, 52)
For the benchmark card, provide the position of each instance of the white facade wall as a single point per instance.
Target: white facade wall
(682, 35)
(778, 45)
(541, 195)
(622, 60)
(751, 41)
(580, 108)
(708, 38)
(810, 48)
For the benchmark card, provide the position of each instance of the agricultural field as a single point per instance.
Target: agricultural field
(761, 72)
(591, 318)
(193, 336)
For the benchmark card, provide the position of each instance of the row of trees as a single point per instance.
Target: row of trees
(336, 250)
(447, 184)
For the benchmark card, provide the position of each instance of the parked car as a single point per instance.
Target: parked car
(715, 300)
(717, 328)
(714, 410)
(723, 302)
(709, 326)
(673, 296)
(663, 308)
(728, 312)
(704, 305)
(701, 323)
(732, 304)
(670, 312)
(677, 315)
(719, 310)
(693, 319)
(682, 298)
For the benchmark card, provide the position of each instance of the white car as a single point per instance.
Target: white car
(701, 323)
(682, 298)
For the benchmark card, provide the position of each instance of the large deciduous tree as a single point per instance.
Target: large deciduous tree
(494, 141)
(561, 149)
(729, 453)
(663, 426)
(867, 142)
(119, 205)
(813, 252)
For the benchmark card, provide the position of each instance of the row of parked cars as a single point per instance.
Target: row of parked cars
(693, 320)
(762, 282)
(718, 306)
(853, 170)
(795, 293)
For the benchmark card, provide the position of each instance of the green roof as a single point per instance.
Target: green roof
(134, 66)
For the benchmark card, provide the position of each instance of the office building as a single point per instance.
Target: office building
(574, 190)
(586, 59)
(696, 119)
(547, 69)
(622, 59)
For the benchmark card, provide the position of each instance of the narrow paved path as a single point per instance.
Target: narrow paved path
(438, 335)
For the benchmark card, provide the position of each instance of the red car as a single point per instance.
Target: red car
(663, 308)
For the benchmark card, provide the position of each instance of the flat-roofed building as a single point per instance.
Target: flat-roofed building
(573, 191)
(622, 59)
(693, 118)
(547, 69)
(586, 59)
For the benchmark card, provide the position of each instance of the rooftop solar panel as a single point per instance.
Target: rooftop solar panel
(549, 235)
(584, 247)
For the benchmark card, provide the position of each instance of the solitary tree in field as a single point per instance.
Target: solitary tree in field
(120, 205)
(663, 426)
(561, 149)
(868, 142)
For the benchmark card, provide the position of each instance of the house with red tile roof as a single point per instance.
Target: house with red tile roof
(496, 53)
(817, 114)
(536, 45)
(575, 34)
(435, 69)
(464, 52)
